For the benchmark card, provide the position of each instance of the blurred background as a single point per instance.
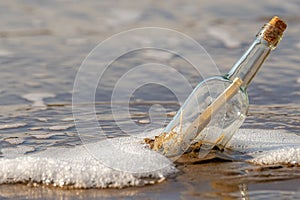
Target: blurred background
(52, 38)
(43, 43)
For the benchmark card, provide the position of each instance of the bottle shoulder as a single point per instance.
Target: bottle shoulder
(218, 81)
(216, 85)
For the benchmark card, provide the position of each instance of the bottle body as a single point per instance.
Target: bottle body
(222, 124)
(218, 106)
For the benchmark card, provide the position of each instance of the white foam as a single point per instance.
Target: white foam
(285, 156)
(38, 98)
(77, 167)
(122, 162)
(268, 147)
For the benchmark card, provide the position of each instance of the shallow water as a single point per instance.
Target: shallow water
(44, 43)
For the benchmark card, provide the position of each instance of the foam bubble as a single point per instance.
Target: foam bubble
(76, 167)
(267, 147)
(285, 156)
(79, 167)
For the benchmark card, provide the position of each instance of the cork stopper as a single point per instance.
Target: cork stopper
(272, 32)
(278, 23)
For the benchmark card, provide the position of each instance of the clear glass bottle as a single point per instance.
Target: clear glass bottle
(218, 106)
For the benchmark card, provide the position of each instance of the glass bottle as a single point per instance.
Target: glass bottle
(217, 107)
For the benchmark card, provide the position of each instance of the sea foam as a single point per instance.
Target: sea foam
(79, 167)
(267, 147)
(123, 162)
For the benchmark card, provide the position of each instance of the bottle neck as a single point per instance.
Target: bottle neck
(248, 65)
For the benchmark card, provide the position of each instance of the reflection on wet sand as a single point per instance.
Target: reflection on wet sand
(40, 191)
(235, 180)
